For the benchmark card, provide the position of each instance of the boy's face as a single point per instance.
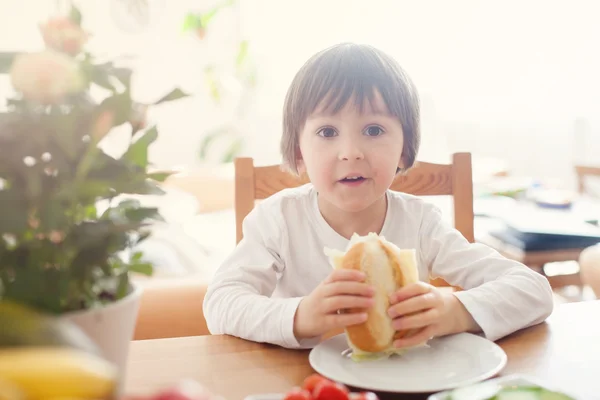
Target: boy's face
(337, 149)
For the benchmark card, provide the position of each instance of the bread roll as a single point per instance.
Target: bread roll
(387, 268)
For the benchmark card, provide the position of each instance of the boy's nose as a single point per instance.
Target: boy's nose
(350, 151)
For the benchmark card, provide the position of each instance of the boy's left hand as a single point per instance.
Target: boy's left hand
(424, 307)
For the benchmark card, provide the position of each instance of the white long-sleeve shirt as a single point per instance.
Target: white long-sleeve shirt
(254, 294)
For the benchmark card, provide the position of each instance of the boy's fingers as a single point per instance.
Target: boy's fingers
(348, 287)
(345, 275)
(413, 304)
(409, 291)
(334, 321)
(415, 339)
(419, 320)
(343, 302)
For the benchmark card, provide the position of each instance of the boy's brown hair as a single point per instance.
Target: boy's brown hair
(339, 73)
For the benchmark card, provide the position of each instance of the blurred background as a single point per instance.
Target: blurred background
(515, 83)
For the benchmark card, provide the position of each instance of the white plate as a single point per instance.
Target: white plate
(507, 381)
(446, 363)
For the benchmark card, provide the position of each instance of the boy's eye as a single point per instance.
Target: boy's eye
(374, 131)
(327, 132)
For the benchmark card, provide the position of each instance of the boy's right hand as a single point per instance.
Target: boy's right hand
(317, 313)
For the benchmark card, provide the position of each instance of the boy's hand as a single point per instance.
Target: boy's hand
(431, 311)
(318, 312)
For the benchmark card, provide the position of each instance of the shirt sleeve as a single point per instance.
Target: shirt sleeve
(238, 300)
(502, 295)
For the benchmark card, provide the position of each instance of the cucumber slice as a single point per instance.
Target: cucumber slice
(524, 393)
(550, 395)
(492, 391)
(478, 391)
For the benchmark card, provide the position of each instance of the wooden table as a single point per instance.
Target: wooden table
(564, 350)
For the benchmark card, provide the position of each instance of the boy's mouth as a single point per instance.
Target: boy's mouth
(352, 179)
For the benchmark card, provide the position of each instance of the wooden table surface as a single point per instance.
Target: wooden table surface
(564, 350)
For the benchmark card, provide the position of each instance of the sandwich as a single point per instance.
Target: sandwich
(387, 268)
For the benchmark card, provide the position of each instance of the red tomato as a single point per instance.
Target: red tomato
(330, 391)
(311, 382)
(297, 394)
(363, 396)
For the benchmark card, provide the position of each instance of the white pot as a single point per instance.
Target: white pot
(111, 327)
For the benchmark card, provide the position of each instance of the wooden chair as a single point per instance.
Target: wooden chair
(171, 308)
(583, 172)
(424, 179)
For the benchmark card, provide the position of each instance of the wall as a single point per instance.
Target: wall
(516, 80)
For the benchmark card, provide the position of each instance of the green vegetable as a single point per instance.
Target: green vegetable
(359, 356)
(492, 391)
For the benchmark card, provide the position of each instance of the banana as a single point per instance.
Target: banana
(9, 391)
(57, 372)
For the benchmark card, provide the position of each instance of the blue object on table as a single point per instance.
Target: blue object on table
(543, 242)
(535, 230)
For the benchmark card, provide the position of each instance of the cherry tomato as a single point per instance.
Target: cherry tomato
(311, 382)
(297, 394)
(330, 391)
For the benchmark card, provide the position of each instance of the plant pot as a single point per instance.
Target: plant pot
(111, 327)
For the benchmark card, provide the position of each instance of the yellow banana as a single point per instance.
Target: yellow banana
(9, 391)
(57, 372)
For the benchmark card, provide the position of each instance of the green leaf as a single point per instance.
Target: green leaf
(100, 76)
(142, 236)
(233, 151)
(208, 140)
(123, 75)
(206, 17)
(13, 212)
(123, 285)
(242, 55)
(121, 207)
(174, 95)
(33, 183)
(142, 214)
(211, 82)
(75, 15)
(53, 216)
(120, 104)
(148, 187)
(68, 135)
(106, 74)
(139, 186)
(160, 176)
(191, 21)
(137, 265)
(142, 268)
(88, 190)
(107, 168)
(138, 151)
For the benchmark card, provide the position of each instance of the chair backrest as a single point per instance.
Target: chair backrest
(424, 179)
(584, 171)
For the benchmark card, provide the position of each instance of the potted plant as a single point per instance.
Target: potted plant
(67, 227)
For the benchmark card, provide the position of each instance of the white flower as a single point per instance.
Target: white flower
(45, 77)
